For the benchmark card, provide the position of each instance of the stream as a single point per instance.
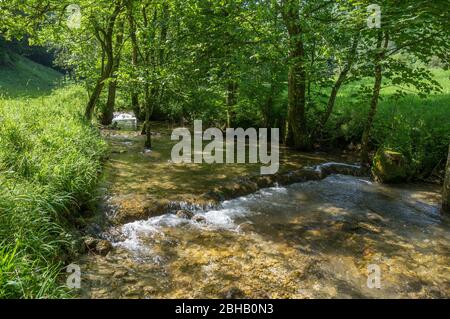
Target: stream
(308, 240)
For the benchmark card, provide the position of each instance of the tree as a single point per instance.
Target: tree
(46, 22)
(153, 26)
(131, 9)
(296, 118)
(411, 28)
(323, 41)
(108, 111)
(103, 26)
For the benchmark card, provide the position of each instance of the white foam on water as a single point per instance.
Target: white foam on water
(214, 219)
(224, 218)
(318, 168)
(151, 227)
(125, 120)
(272, 191)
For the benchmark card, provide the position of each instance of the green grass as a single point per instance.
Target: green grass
(26, 78)
(419, 128)
(50, 159)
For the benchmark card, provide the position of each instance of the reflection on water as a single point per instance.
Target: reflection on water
(308, 240)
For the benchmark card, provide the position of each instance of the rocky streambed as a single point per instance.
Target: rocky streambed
(311, 231)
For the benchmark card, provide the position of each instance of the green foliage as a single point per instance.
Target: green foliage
(49, 165)
(417, 127)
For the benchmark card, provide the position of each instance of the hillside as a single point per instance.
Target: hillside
(23, 77)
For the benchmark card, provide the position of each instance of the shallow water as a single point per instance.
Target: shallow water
(308, 240)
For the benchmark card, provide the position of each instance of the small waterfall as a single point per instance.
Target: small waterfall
(124, 120)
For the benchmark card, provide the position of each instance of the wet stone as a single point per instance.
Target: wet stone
(246, 227)
(90, 243)
(184, 214)
(199, 219)
(103, 247)
(234, 293)
(120, 274)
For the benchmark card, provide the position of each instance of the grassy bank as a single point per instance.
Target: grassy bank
(49, 166)
(417, 127)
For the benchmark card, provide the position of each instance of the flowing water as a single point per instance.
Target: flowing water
(308, 240)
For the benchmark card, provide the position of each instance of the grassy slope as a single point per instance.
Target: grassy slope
(420, 128)
(49, 163)
(27, 78)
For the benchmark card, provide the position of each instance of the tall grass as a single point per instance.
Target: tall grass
(50, 159)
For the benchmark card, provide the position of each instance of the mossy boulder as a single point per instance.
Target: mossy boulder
(390, 167)
(446, 190)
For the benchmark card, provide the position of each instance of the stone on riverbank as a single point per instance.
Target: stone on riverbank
(389, 167)
(97, 246)
(446, 190)
(182, 213)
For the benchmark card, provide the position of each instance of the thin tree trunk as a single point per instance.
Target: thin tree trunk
(337, 86)
(446, 190)
(231, 101)
(134, 59)
(98, 88)
(268, 107)
(149, 107)
(152, 91)
(94, 98)
(365, 161)
(296, 109)
(108, 112)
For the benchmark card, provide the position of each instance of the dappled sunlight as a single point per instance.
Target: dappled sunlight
(309, 240)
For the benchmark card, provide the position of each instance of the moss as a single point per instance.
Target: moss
(390, 167)
(446, 190)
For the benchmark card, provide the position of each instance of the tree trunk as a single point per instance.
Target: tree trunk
(231, 101)
(108, 112)
(365, 161)
(134, 59)
(157, 58)
(267, 110)
(446, 190)
(105, 37)
(150, 94)
(95, 96)
(337, 86)
(296, 132)
(99, 87)
(296, 120)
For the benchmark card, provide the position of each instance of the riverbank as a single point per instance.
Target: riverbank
(50, 160)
